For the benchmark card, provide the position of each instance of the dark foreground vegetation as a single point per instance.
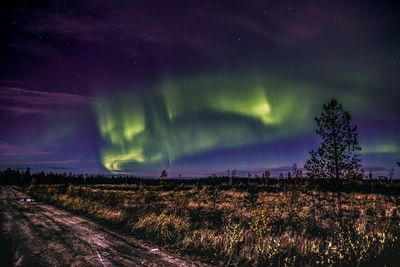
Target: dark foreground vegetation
(252, 222)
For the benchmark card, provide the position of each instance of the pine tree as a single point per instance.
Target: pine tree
(163, 175)
(337, 155)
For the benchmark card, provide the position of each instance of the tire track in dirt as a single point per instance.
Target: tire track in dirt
(36, 234)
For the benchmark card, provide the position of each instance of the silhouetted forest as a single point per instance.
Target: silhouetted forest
(274, 184)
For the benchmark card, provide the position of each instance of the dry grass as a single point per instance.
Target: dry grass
(246, 227)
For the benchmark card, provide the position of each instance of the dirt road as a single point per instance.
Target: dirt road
(35, 234)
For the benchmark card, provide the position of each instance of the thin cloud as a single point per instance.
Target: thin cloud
(8, 151)
(30, 102)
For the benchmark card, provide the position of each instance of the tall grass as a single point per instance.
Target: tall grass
(245, 227)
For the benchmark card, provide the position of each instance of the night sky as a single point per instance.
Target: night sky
(194, 87)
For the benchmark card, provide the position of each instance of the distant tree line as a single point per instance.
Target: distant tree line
(257, 184)
(17, 177)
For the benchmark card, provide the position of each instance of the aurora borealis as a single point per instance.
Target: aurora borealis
(203, 113)
(193, 87)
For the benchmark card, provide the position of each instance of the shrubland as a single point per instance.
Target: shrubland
(283, 224)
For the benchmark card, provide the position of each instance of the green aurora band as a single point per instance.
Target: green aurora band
(177, 118)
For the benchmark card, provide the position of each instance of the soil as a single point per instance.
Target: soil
(36, 234)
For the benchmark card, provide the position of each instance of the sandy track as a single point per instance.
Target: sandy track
(35, 234)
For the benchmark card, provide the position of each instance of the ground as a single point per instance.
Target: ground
(35, 234)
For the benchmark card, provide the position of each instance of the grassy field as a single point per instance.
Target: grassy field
(284, 225)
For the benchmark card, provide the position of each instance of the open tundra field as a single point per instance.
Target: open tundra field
(254, 225)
